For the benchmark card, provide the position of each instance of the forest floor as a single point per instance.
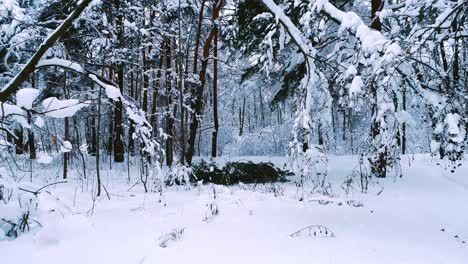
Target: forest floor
(419, 218)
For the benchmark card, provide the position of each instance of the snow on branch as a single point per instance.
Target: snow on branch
(112, 91)
(371, 40)
(30, 66)
(289, 26)
(305, 47)
(144, 129)
(61, 63)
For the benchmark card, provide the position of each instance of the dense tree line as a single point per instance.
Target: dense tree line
(167, 80)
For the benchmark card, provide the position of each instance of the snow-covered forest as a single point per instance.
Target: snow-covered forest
(233, 131)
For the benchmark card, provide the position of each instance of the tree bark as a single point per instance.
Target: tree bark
(197, 38)
(197, 95)
(214, 140)
(376, 6)
(154, 109)
(379, 165)
(168, 113)
(65, 154)
(119, 148)
(131, 129)
(181, 92)
(19, 145)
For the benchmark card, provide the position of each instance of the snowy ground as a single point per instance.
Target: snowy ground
(420, 218)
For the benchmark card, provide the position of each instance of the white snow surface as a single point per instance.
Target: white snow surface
(420, 218)
(44, 159)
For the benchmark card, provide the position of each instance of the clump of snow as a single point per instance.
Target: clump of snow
(62, 108)
(39, 122)
(356, 86)
(15, 113)
(435, 146)
(137, 117)
(371, 40)
(8, 4)
(66, 147)
(44, 159)
(84, 148)
(25, 97)
(403, 117)
(452, 121)
(439, 128)
(264, 15)
(7, 109)
(392, 51)
(350, 21)
(112, 92)
(351, 71)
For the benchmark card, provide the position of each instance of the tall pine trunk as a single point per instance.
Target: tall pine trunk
(378, 163)
(197, 94)
(168, 113)
(119, 148)
(214, 140)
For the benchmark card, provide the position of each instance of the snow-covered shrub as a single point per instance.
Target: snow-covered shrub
(207, 172)
(179, 175)
(211, 206)
(174, 235)
(249, 172)
(18, 209)
(360, 178)
(311, 167)
(448, 138)
(314, 231)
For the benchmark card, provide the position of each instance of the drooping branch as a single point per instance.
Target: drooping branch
(293, 31)
(30, 66)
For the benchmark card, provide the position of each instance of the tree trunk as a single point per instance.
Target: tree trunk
(214, 140)
(379, 163)
(19, 145)
(197, 38)
(119, 148)
(181, 92)
(168, 113)
(376, 6)
(242, 117)
(131, 129)
(98, 151)
(65, 154)
(31, 139)
(154, 109)
(197, 95)
(403, 127)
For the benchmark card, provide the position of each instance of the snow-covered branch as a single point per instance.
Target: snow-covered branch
(30, 66)
(289, 26)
